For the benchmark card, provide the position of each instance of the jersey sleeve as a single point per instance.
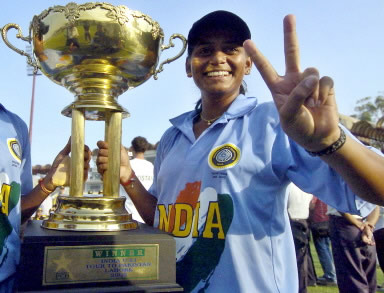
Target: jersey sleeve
(316, 177)
(26, 168)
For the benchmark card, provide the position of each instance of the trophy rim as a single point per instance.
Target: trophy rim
(72, 10)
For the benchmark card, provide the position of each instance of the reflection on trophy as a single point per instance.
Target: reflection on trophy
(97, 51)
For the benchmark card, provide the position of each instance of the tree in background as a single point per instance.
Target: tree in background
(370, 128)
(369, 111)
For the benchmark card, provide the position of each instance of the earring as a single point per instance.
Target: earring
(248, 72)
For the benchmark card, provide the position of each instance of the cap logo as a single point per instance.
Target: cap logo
(14, 148)
(224, 157)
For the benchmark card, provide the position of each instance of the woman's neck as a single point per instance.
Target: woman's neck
(212, 109)
(215, 106)
(139, 156)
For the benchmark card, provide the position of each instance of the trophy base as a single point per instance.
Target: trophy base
(90, 214)
(140, 260)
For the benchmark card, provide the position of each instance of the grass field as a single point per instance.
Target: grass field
(332, 289)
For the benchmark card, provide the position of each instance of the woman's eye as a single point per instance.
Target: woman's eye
(204, 51)
(231, 50)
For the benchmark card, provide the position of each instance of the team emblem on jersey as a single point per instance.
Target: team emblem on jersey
(224, 156)
(14, 148)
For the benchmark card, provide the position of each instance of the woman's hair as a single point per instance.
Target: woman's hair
(243, 88)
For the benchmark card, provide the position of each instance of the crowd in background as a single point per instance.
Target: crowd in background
(348, 246)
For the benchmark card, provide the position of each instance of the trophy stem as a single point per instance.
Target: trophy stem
(113, 138)
(77, 151)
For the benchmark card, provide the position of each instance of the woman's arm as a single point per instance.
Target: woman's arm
(308, 114)
(58, 175)
(361, 168)
(144, 201)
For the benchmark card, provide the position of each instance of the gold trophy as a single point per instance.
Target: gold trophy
(97, 51)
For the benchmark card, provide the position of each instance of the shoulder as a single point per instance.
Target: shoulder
(141, 164)
(184, 120)
(148, 164)
(169, 137)
(263, 121)
(266, 111)
(250, 108)
(17, 122)
(13, 116)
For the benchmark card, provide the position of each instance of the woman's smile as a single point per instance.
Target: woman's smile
(217, 73)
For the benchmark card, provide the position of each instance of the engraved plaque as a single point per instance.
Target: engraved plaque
(139, 260)
(98, 263)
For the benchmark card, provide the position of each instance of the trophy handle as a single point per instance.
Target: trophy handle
(171, 44)
(19, 35)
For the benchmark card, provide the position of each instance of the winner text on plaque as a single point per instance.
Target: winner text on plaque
(97, 263)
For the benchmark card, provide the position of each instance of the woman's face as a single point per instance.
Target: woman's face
(218, 64)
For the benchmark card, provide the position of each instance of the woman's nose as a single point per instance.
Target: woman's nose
(218, 57)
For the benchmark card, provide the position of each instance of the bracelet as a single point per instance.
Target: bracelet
(131, 180)
(43, 188)
(332, 148)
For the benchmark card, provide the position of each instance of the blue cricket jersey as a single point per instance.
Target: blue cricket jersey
(15, 180)
(223, 197)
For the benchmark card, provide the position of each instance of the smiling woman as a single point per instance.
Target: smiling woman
(217, 62)
(217, 66)
(222, 169)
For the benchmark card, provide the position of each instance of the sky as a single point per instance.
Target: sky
(343, 39)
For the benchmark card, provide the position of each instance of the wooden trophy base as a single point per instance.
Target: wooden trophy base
(139, 260)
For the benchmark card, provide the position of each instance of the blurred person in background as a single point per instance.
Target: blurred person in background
(298, 211)
(354, 250)
(319, 226)
(378, 233)
(143, 170)
(142, 167)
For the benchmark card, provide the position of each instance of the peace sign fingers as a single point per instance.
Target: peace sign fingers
(280, 86)
(266, 70)
(291, 45)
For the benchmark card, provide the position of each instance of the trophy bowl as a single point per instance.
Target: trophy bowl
(97, 51)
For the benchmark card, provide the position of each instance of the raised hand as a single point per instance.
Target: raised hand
(305, 102)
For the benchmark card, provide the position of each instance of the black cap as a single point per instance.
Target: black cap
(218, 20)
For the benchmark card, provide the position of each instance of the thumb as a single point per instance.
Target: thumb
(62, 154)
(298, 96)
(67, 149)
(61, 175)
